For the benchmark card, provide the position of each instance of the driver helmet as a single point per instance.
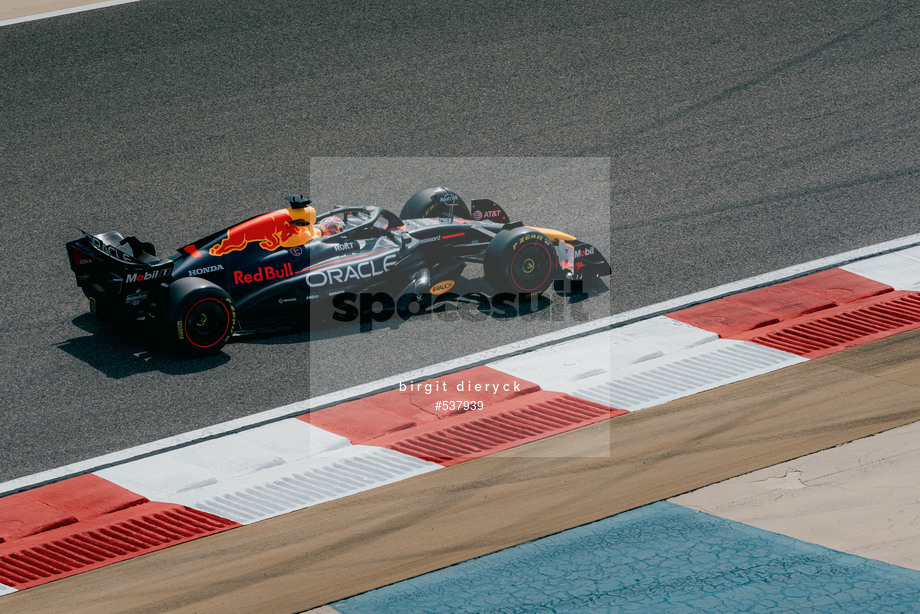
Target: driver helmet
(331, 225)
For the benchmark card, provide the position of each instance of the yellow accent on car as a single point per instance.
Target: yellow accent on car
(304, 234)
(442, 287)
(554, 235)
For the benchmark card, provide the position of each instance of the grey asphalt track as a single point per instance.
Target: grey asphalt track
(740, 139)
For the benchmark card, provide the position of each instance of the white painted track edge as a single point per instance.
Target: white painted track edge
(442, 368)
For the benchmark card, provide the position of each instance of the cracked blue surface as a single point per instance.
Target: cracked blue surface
(659, 558)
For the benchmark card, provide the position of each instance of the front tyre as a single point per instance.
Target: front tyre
(199, 317)
(520, 260)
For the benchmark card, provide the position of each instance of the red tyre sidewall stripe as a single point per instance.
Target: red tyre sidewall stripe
(548, 272)
(185, 322)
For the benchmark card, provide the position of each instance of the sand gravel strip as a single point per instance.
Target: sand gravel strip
(862, 498)
(11, 9)
(20, 9)
(322, 554)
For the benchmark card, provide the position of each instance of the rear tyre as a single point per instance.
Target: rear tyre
(434, 202)
(199, 317)
(520, 260)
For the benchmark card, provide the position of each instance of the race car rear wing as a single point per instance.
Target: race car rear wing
(110, 263)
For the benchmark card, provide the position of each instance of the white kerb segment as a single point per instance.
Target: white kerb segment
(643, 364)
(264, 472)
(900, 270)
(208, 462)
(603, 353)
(303, 484)
(691, 371)
(585, 367)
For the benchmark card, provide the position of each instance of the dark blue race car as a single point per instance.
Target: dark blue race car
(266, 272)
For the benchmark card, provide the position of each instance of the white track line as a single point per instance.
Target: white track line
(472, 360)
(67, 11)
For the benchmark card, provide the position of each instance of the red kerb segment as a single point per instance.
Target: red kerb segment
(60, 504)
(112, 537)
(86, 496)
(459, 416)
(811, 316)
(840, 286)
(477, 433)
(843, 327)
(773, 305)
(724, 317)
(85, 522)
(413, 404)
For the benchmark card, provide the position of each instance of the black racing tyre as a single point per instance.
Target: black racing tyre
(434, 202)
(199, 316)
(520, 260)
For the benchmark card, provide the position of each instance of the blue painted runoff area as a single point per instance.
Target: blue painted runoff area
(659, 558)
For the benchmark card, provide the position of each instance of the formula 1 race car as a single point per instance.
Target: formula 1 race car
(267, 271)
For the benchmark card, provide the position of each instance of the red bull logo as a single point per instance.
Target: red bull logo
(263, 274)
(269, 231)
